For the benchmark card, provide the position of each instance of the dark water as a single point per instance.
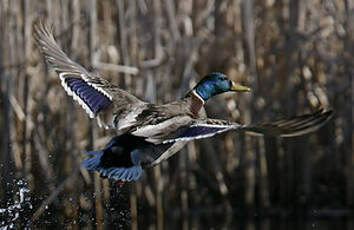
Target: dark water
(19, 212)
(209, 219)
(215, 218)
(258, 224)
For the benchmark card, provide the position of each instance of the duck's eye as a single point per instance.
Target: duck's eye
(224, 78)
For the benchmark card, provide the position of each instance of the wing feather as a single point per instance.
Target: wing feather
(291, 127)
(202, 128)
(92, 92)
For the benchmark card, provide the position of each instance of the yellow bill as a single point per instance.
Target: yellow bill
(239, 88)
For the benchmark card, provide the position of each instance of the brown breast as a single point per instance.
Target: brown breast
(196, 105)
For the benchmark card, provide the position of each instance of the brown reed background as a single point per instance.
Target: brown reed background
(297, 56)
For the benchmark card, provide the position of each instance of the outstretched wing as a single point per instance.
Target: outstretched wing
(95, 94)
(295, 126)
(291, 127)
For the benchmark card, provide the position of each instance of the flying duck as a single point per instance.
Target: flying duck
(149, 133)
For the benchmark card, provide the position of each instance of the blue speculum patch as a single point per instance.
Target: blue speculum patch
(94, 99)
(199, 131)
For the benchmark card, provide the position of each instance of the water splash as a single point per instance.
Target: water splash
(12, 212)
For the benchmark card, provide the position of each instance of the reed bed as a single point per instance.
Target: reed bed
(296, 55)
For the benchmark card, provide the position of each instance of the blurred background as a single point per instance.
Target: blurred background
(296, 55)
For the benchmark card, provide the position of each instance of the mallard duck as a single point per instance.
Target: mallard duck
(149, 133)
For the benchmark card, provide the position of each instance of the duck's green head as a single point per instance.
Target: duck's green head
(216, 83)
